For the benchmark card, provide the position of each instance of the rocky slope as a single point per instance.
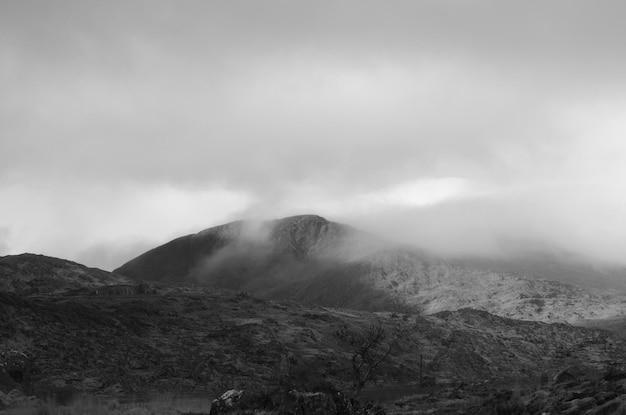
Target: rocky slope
(207, 340)
(557, 266)
(307, 258)
(573, 390)
(29, 274)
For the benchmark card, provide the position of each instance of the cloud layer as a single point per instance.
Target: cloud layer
(446, 123)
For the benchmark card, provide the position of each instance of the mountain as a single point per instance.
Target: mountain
(31, 274)
(310, 259)
(562, 267)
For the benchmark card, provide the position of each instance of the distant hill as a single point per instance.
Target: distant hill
(566, 268)
(30, 274)
(310, 259)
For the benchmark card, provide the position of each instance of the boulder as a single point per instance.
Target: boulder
(612, 407)
(283, 402)
(227, 403)
(15, 371)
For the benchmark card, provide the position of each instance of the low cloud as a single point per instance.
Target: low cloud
(112, 254)
(143, 122)
(575, 219)
(4, 237)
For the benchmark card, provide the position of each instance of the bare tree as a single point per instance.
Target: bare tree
(371, 349)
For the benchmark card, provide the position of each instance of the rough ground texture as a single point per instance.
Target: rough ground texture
(32, 274)
(284, 402)
(573, 390)
(307, 258)
(97, 334)
(193, 340)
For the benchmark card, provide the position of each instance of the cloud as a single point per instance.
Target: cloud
(4, 236)
(573, 217)
(109, 255)
(124, 123)
(71, 220)
(324, 89)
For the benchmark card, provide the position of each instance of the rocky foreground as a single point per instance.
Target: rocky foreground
(209, 341)
(571, 391)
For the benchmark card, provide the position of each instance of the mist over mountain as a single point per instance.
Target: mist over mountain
(564, 268)
(308, 258)
(304, 258)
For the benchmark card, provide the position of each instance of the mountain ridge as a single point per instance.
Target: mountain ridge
(308, 258)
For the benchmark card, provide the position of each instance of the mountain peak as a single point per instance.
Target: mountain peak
(304, 234)
(308, 218)
(266, 229)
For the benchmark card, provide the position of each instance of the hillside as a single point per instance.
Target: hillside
(562, 267)
(310, 259)
(208, 340)
(29, 274)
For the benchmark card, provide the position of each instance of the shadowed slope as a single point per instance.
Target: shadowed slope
(305, 258)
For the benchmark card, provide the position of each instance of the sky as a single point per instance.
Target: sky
(464, 127)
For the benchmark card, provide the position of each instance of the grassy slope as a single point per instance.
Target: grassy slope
(214, 340)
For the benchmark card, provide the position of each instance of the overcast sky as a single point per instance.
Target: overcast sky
(459, 126)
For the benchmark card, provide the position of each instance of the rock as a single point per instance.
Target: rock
(227, 402)
(290, 402)
(13, 398)
(90, 384)
(15, 370)
(615, 406)
(586, 403)
(572, 411)
(114, 390)
(606, 396)
(564, 406)
(567, 375)
(308, 403)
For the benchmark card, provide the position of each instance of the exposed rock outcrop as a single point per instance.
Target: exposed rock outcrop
(283, 402)
(16, 370)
